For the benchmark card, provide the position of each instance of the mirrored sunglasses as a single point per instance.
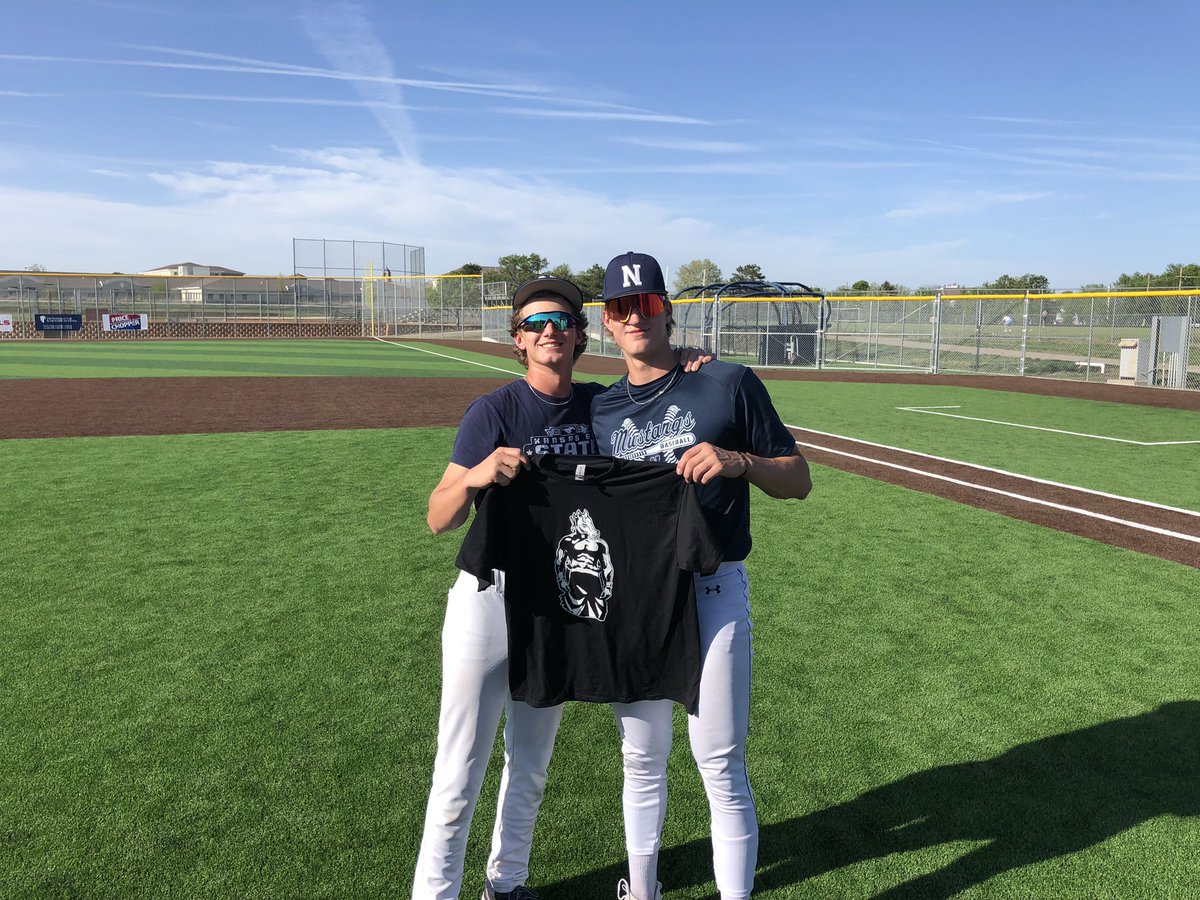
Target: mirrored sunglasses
(647, 305)
(537, 322)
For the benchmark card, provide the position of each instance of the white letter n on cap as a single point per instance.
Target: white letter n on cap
(632, 275)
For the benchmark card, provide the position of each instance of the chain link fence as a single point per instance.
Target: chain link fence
(1145, 337)
(437, 306)
(1141, 337)
(180, 306)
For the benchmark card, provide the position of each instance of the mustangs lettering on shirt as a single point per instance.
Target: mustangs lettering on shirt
(722, 404)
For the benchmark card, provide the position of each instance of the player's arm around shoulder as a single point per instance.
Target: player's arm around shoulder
(450, 502)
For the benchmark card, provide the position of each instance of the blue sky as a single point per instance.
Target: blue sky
(923, 143)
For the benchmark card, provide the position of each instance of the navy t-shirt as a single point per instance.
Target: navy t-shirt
(722, 404)
(518, 416)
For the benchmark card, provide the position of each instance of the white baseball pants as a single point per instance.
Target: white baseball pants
(717, 732)
(474, 691)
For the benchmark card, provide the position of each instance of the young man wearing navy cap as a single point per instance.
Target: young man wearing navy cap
(545, 412)
(719, 427)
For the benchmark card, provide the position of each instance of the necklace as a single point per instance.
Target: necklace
(551, 402)
(675, 376)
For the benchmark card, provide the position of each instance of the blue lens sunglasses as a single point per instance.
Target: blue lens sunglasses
(537, 322)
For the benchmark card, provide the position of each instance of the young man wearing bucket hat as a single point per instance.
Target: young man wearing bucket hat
(545, 412)
(719, 427)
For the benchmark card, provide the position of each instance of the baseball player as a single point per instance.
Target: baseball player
(545, 412)
(720, 428)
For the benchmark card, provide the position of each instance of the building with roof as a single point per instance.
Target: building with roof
(191, 268)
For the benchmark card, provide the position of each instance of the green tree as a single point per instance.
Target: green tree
(450, 293)
(883, 287)
(517, 268)
(747, 272)
(1176, 275)
(698, 273)
(36, 267)
(591, 281)
(1027, 282)
(562, 270)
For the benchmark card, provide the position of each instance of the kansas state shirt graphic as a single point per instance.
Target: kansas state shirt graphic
(658, 441)
(583, 569)
(569, 440)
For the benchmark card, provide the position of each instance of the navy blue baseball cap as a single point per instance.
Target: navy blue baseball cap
(568, 290)
(633, 273)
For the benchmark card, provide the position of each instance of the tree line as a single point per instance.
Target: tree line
(516, 268)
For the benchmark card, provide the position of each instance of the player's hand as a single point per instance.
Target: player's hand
(692, 358)
(704, 462)
(501, 467)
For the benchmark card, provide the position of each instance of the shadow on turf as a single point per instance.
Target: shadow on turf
(1035, 802)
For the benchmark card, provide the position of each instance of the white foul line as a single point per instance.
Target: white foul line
(1036, 500)
(469, 362)
(959, 462)
(931, 411)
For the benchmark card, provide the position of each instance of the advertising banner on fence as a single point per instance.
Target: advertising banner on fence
(125, 322)
(58, 323)
(6, 321)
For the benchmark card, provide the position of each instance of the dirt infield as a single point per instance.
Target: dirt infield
(93, 407)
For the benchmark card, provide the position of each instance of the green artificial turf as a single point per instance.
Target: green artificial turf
(220, 665)
(159, 359)
(871, 412)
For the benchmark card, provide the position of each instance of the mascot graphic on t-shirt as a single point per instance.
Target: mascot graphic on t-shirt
(584, 569)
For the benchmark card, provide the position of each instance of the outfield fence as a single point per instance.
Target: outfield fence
(51, 305)
(1142, 337)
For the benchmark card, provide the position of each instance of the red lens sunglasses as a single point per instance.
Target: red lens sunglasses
(647, 305)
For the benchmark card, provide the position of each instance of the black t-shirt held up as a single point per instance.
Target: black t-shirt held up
(598, 555)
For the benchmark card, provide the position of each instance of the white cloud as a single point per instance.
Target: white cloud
(600, 115)
(689, 146)
(944, 203)
(287, 101)
(349, 16)
(345, 37)
(1021, 120)
(206, 125)
(244, 216)
(271, 68)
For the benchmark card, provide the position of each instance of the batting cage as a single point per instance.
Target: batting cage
(764, 323)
